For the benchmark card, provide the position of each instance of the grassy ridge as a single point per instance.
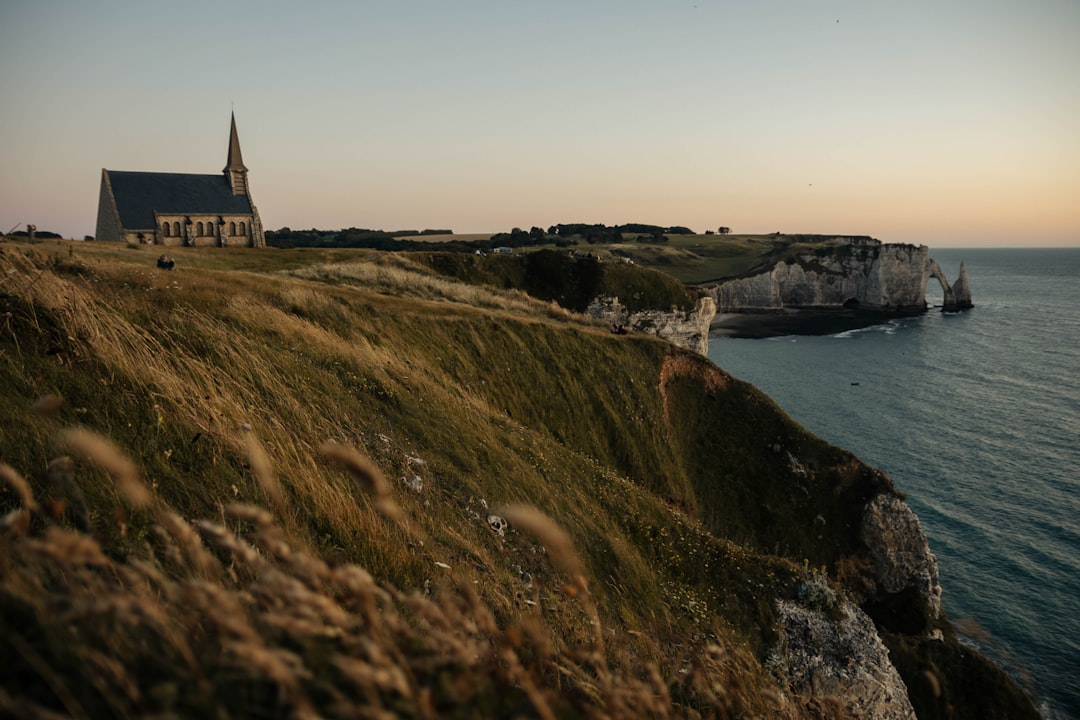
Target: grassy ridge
(691, 501)
(689, 259)
(573, 280)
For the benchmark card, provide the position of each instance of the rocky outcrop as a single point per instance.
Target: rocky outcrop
(962, 290)
(955, 297)
(827, 646)
(948, 297)
(902, 564)
(688, 329)
(834, 652)
(865, 275)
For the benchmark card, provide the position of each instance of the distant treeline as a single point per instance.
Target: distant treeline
(560, 235)
(39, 234)
(348, 238)
(572, 233)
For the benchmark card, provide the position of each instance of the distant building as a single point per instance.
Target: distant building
(181, 208)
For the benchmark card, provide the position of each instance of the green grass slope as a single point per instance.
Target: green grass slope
(706, 259)
(572, 280)
(263, 485)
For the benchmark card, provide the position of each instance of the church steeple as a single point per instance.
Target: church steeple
(234, 166)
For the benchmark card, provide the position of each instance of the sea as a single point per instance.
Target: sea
(976, 418)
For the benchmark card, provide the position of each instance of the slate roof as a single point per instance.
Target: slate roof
(139, 194)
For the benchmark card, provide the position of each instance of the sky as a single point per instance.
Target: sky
(938, 122)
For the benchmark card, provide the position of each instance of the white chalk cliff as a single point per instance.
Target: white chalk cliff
(688, 329)
(863, 273)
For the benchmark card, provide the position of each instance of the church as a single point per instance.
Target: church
(181, 208)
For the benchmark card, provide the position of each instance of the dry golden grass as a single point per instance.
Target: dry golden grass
(271, 631)
(404, 278)
(107, 456)
(282, 467)
(227, 385)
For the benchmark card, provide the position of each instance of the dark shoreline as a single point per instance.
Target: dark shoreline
(757, 325)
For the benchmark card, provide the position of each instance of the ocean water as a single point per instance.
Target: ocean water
(976, 417)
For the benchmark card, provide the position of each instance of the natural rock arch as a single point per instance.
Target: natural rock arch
(956, 296)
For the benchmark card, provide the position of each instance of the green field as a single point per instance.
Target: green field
(691, 259)
(698, 259)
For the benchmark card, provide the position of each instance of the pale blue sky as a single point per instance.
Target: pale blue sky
(944, 123)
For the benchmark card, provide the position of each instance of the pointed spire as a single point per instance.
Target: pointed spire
(235, 163)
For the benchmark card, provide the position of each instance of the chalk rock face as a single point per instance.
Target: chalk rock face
(899, 553)
(686, 329)
(866, 274)
(956, 296)
(841, 657)
(962, 290)
(897, 278)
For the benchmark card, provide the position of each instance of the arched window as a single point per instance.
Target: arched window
(176, 228)
(165, 227)
(198, 228)
(232, 228)
(243, 228)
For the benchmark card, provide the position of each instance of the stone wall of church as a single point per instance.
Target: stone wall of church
(205, 230)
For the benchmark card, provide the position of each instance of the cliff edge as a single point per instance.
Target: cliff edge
(686, 328)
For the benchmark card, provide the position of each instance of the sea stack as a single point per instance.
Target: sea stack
(962, 290)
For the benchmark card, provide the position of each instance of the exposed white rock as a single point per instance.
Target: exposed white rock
(497, 524)
(899, 553)
(962, 290)
(869, 274)
(688, 329)
(839, 657)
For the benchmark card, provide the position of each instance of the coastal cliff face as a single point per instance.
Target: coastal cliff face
(834, 651)
(687, 329)
(900, 554)
(868, 275)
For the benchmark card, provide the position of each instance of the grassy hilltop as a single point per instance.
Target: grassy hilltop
(688, 257)
(691, 258)
(276, 483)
(706, 259)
